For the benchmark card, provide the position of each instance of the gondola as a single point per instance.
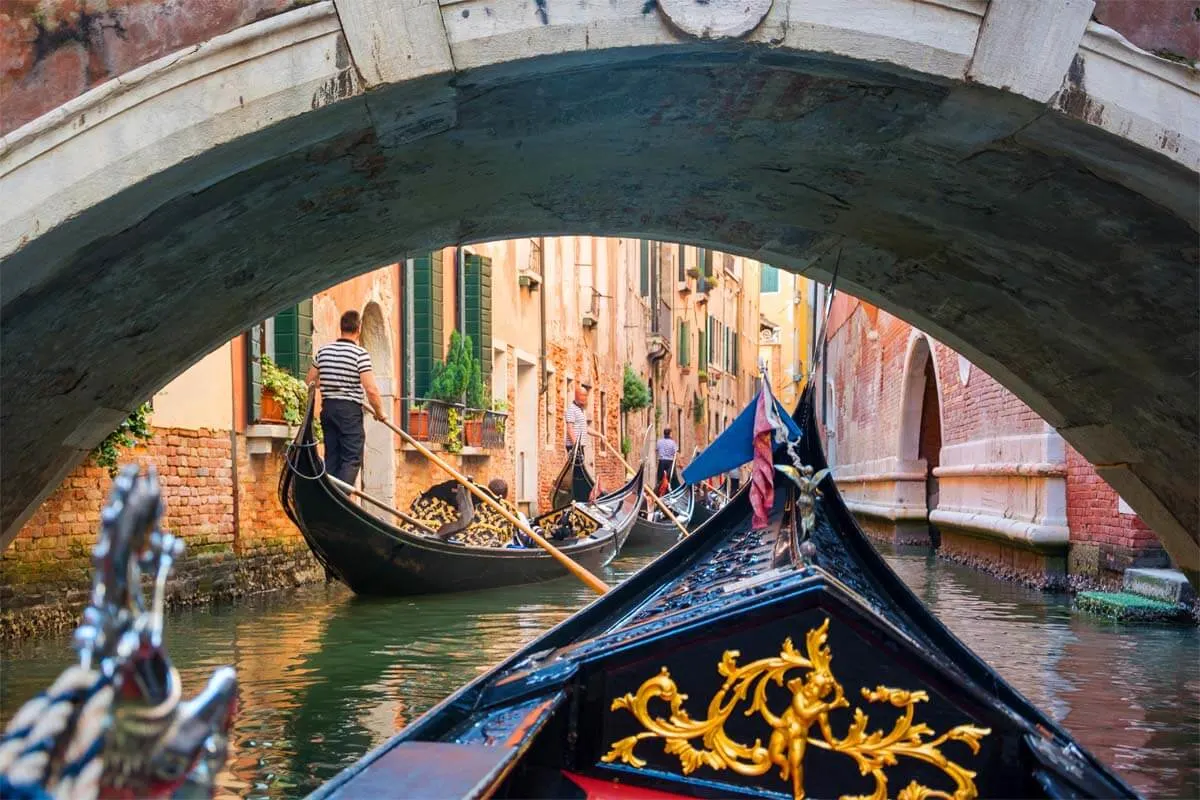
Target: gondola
(652, 528)
(574, 483)
(786, 662)
(375, 557)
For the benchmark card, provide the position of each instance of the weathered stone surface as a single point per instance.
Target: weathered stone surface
(1167, 585)
(1054, 254)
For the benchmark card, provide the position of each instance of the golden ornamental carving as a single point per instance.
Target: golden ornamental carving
(814, 696)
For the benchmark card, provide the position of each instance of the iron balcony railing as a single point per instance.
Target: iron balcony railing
(429, 421)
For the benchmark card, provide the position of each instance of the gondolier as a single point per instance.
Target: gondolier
(576, 419)
(346, 379)
(666, 450)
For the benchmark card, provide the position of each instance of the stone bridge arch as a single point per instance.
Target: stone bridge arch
(1012, 178)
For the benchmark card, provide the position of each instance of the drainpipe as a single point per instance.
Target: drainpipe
(542, 314)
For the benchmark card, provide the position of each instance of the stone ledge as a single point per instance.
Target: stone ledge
(886, 511)
(1019, 532)
(1165, 585)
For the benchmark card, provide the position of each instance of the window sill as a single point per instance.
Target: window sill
(260, 437)
(434, 447)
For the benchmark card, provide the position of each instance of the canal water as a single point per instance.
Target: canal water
(326, 676)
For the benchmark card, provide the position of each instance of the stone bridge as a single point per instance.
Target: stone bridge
(1015, 178)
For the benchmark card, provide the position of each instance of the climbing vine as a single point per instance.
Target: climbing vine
(133, 429)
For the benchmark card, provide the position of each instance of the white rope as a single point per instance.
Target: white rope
(77, 707)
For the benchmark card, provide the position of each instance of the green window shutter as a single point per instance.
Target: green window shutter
(702, 349)
(304, 334)
(769, 279)
(644, 267)
(683, 344)
(477, 310)
(254, 371)
(682, 269)
(287, 354)
(427, 319)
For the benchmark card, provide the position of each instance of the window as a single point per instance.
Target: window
(644, 267)
(769, 280)
(684, 341)
(500, 375)
(477, 309)
(681, 267)
(704, 261)
(286, 339)
(702, 348)
(424, 344)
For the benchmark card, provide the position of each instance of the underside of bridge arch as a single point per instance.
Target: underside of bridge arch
(966, 211)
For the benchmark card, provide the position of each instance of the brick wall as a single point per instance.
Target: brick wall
(237, 541)
(52, 52)
(1092, 506)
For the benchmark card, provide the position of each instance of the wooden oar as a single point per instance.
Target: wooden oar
(649, 493)
(594, 583)
(348, 489)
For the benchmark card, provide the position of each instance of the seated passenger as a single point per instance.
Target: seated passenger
(499, 488)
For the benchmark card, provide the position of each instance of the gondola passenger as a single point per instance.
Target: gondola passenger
(499, 488)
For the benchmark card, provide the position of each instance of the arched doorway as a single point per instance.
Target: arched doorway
(921, 430)
(929, 448)
(379, 459)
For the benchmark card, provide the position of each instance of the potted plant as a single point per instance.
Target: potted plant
(418, 421)
(499, 409)
(458, 382)
(476, 399)
(284, 395)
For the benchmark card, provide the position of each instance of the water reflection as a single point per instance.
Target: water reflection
(326, 676)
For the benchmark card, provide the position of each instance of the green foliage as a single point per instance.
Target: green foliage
(289, 390)
(697, 409)
(454, 427)
(135, 427)
(459, 379)
(626, 446)
(635, 395)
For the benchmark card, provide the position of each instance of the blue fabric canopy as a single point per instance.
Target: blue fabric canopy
(735, 446)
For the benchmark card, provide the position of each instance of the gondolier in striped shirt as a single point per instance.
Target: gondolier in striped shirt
(576, 419)
(346, 380)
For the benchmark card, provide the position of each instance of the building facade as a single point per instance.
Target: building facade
(786, 330)
(543, 314)
(928, 449)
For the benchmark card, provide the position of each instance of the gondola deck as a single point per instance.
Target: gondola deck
(741, 664)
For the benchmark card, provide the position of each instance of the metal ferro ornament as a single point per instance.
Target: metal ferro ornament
(814, 696)
(115, 725)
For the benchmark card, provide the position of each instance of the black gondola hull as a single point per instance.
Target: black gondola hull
(743, 663)
(375, 558)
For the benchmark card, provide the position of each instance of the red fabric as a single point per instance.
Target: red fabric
(606, 790)
(762, 482)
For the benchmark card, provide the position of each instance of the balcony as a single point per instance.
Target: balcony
(455, 427)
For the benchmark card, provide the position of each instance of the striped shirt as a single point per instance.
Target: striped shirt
(577, 422)
(340, 366)
(666, 449)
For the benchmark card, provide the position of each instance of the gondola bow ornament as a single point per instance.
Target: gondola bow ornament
(115, 724)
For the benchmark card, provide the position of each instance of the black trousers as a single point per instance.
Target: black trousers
(664, 468)
(342, 421)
